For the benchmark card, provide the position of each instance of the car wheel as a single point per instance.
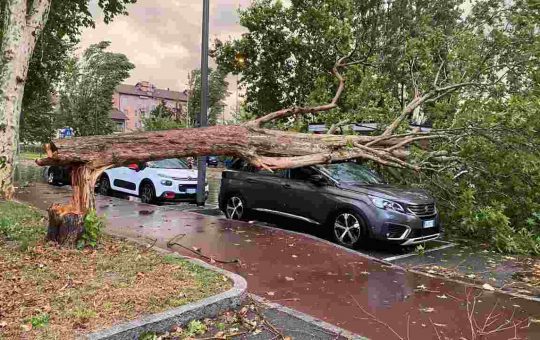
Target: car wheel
(52, 177)
(348, 229)
(148, 193)
(104, 186)
(235, 208)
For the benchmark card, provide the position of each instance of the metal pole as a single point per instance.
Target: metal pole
(203, 119)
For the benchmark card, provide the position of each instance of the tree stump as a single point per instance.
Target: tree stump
(66, 225)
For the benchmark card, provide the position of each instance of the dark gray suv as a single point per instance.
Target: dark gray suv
(348, 199)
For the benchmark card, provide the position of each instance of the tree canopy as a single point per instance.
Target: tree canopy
(56, 43)
(87, 88)
(483, 56)
(217, 94)
(163, 118)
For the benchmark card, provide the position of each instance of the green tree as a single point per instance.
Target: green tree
(485, 54)
(162, 118)
(87, 88)
(44, 30)
(217, 94)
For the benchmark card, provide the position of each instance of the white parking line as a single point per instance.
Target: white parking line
(399, 257)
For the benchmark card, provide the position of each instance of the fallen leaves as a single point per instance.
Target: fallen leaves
(427, 309)
(117, 282)
(288, 278)
(487, 286)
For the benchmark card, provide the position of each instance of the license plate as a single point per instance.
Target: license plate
(429, 224)
(191, 191)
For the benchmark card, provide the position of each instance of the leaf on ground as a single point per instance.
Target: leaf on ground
(427, 309)
(271, 293)
(487, 286)
(288, 278)
(470, 276)
(440, 324)
(257, 331)
(442, 296)
(294, 256)
(197, 249)
(421, 287)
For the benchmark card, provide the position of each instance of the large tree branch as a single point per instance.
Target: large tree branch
(303, 110)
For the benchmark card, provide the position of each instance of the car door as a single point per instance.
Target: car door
(269, 187)
(124, 179)
(303, 198)
(256, 186)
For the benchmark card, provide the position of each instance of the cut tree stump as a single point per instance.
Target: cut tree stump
(66, 225)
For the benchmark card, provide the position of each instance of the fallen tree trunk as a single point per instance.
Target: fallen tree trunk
(255, 144)
(270, 149)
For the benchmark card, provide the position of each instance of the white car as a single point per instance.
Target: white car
(156, 181)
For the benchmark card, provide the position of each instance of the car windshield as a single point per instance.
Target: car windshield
(171, 163)
(351, 172)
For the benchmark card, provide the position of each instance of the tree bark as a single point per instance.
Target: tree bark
(65, 225)
(22, 27)
(251, 143)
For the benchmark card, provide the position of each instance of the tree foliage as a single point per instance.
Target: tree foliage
(66, 20)
(484, 169)
(217, 94)
(162, 118)
(87, 88)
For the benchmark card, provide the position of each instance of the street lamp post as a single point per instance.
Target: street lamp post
(203, 115)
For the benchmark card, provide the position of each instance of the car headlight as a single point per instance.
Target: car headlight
(166, 182)
(382, 203)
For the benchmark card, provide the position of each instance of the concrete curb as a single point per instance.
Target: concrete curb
(327, 327)
(162, 322)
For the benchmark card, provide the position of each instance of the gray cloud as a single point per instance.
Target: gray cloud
(162, 37)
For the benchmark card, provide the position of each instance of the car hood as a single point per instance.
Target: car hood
(182, 174)
(400, 194)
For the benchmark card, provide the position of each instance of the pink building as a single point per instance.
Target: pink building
(132, 103)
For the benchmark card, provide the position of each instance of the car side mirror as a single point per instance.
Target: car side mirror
(133, 167)
(317, 179)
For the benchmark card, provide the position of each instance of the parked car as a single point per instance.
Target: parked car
(212, 161)
(153, 182)
(348, 199)
(57, 175)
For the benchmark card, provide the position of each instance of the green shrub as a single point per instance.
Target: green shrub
(93, 226)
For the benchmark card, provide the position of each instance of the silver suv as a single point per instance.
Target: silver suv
(348, 199)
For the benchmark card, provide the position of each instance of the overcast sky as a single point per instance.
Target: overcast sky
(163, 37)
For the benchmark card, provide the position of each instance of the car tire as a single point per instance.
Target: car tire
(104, 186)
(235, 208)
(147, 193)
(348, 228)
(51, 177)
